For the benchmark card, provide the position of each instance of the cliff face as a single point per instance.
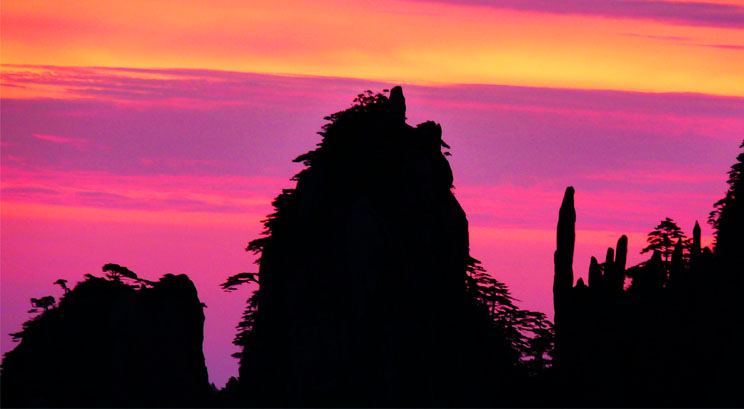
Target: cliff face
(109, 344)
(363, 295)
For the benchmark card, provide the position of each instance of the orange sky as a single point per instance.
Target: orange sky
(409, 42)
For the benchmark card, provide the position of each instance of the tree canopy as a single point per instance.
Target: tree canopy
(664, 237)
(727, 217)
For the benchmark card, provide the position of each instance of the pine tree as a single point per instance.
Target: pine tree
(664, 237)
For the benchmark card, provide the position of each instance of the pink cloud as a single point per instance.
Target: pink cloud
(77, 142)
(65, 190)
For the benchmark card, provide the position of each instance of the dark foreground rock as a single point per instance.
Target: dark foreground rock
(111, 344)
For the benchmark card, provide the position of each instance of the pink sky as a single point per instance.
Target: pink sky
(157, 140)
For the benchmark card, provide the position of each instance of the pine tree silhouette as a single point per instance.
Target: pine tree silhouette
(663, 238)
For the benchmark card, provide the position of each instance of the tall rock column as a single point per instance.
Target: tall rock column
(696, 246)
(563, 257)
(617, 279)
(563, 281)
(595, 275)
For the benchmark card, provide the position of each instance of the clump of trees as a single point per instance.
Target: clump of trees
(727, 217)
(248, 319)
(529, 333)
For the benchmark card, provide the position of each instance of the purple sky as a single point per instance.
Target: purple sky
(171, 171)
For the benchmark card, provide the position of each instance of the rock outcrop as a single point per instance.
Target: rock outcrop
(363, 296)
(111, 344)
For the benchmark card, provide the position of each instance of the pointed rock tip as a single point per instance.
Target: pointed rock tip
(568, 197)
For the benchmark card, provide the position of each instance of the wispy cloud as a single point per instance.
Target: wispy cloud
(688, 41)
(77, 142)
(161, 193)
(672, 12)
(724, 46)
(193, 89)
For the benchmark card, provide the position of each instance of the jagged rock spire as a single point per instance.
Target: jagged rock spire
(565, 241)
(595, 274)
(397, 104)
(696, 239)
(618, 271)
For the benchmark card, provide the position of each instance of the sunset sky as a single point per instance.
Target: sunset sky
(154, 134)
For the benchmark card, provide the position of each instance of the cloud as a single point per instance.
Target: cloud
(77, 142)
(526, 143)
(181, 88)
(724, 46)
(217, 195)
(688, 41)
(671, 12)
(28, 191)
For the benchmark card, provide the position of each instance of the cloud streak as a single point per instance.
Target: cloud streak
(162, 193)
(77, 142)
(572, 43)
(671, 12)
(687, 41)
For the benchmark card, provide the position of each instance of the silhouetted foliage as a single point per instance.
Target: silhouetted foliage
(529, 333)
(44, 302)
(248, 318)
(663, 238)
(116, 272)
(234, 281)
(63, 284)
(727, 217)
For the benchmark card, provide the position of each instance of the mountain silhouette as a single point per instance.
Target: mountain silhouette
(368, 293)
(112, 342)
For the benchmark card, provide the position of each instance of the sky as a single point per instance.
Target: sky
(154, 134)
